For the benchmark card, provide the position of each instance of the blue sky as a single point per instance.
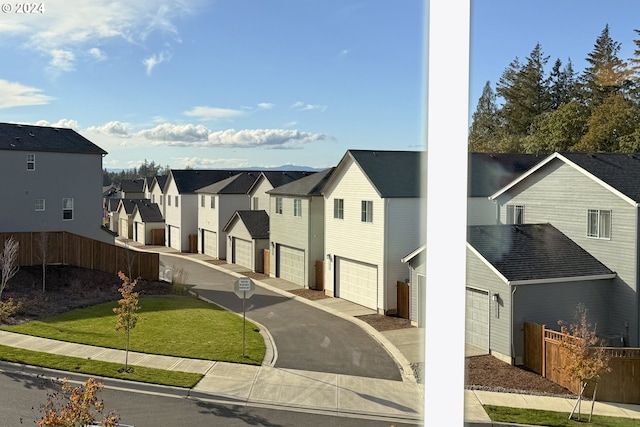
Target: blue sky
(217, 84)
(502, 30)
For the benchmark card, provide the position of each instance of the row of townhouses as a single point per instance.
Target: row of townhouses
(353, 230)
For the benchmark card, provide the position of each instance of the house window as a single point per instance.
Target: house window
(515, 214)
(168, 199)
(161, 199)
(177, 201)
(255, 203)
(367, 211)
(31, 162)
(599, 224)
(279, 205)
(67, 209)
(297, 207)
(338, 208)
(213, 202)
(153, 198)
(202, 201)
(39, 204)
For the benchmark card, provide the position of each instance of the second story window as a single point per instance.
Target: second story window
(599, 223)
(161, 200)
(338, 208)
(202, 201)
(31, 162)
(213, 202)
(297, 207)
(177, 201)
(279, 205)
(40, 204)
(67, 209)
(367, 211)
(168, 199)
(515, 214)
(255, 203)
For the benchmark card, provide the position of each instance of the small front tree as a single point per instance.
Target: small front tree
(586, 357)
(8, 262)
(75, 406)
(42, 246)
(127, 311)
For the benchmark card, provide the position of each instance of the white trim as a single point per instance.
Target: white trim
(410, 256)
(561, 279)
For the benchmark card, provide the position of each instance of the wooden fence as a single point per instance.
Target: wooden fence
(542, 354)
(61, 247)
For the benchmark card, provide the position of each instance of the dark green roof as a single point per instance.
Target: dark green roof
(18, 137)
(310, 185)
(392, 173)
(257, 223)
(237, 184)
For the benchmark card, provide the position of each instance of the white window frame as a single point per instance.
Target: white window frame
(177, 202)
(366, 211)
(213, 202)
(202, 200)
(599, 224)
(515, 214)
(161, 199)
(168, 199)
(31, 162)
(67, 207)
(40, 205)
(338, 208)
(297, 207)
(279, 205)
(255, 202)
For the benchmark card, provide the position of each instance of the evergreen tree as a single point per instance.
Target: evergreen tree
(483, 133)
(562, 85)
(610, 123)
(559, 130)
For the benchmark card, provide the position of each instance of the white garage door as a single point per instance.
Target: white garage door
(357, 282)
(291, 264)
(174, 238)
(210, 243)
(477, 318)
(124, 228)
(139, 233)
(242, 253)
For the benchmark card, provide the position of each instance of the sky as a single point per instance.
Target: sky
(502, 30)
(219, 83)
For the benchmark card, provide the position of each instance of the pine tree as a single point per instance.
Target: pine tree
(562, 85)
(483, 133)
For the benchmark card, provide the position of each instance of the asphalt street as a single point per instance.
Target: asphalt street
(306, 338)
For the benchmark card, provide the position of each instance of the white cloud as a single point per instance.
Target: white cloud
(112, 128)
(13, 94)
(62, 123)
(202, 163)
(266, 105)
(283, 138)
(301, 106)
(213, 113)
(155, 59)
(62, 60)
(176, 134)
(97, 54)
(291, 124)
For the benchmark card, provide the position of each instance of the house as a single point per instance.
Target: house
(181, 203)
(296, 234)
(373, 219)
(217, 204)
(593, 199)
(247, 238)
(155, 191)
(53, 181)
(417, 264)
(532, 273)
(488, 173)
(125, 211)
(132, 189)
(268, 180)
(148, 223)
(112, 205)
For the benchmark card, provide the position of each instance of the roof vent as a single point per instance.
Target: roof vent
(31, 134)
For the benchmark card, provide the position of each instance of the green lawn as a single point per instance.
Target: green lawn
(174, 326)
(554, 419)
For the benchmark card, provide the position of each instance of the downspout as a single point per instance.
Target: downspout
(384, 257)
(513, 347)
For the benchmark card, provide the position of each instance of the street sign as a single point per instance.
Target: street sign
(244, 288)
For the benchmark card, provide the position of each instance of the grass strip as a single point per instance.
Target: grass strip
(554, 419)
(98, 368)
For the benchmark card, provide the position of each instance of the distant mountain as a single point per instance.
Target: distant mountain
(254, 168)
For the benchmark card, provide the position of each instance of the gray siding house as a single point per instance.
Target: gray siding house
(53, 181)
(593, 199)
(417, 264)
(528, 273)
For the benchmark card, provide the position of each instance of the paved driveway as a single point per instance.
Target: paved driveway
(306, 338)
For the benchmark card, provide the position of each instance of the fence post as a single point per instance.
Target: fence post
(544, 352)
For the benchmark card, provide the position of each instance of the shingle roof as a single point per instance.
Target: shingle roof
(161, 180)
(112, 204)
(488, 172)
(20, 137)
(257, 223)
(149, 212)
(190, 180)
(278, 178)
(132, 185)
(310, 185)
(129, 204)
(237, 184)
(392, 173)
(532, 252)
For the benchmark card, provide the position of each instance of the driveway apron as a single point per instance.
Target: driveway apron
(306, 338)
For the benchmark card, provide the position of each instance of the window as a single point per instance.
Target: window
(177, 201)
(161, 200)
(39, 204)
(599, 224)
(202, 201)
(515, 214)
(279, 205)
(338, 208)
(153, 198)
(367, 211)
(31, 162)
(255, 203)
(297, 207)
(67, 209)
(168, 199)
(213, 202)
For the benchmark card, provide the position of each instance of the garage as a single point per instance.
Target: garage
(210, 243)
(139, 232)
(477, 318)
(290, 264)
(357, 282)
(174, 238)
(243, 253)
(124, 228)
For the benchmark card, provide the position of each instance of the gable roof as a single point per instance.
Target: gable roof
(415, 253)
(189, 180)
(149, 212)
(19, 137)
(257, 223)
(132, 185)
(236, 184)
(129, 204)
(488, 172)
(160, 181)
(391, 173)
(113, 204)
(279, 178)
(310, 185)
(533, 253)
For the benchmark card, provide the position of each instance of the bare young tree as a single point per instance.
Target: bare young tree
(8, 262)
(126, 312)
(586, 356)
(42, 246)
